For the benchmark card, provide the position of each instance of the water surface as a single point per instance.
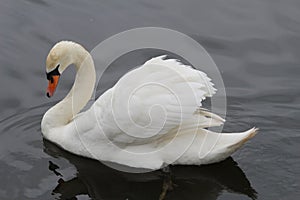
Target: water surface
(256, 46)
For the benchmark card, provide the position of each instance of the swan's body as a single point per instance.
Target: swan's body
(125, 127)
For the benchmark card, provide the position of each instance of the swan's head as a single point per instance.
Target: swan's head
(58, 59)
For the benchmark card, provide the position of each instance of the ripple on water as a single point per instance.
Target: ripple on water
(23, 152)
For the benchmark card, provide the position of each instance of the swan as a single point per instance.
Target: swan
(148, 119)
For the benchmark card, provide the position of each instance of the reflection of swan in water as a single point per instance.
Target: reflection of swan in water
(183, 182)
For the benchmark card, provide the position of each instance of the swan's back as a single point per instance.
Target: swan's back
(153, 116)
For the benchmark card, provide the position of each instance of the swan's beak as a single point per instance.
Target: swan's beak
(52, 85)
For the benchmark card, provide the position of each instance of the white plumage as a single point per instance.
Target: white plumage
(150, 118)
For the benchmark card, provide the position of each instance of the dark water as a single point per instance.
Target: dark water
(256, 45)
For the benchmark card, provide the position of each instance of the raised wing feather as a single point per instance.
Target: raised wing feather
(160, 96)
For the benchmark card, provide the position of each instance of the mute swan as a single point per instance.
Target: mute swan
(125, 125)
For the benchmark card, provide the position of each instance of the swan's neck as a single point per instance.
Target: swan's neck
(64, 111)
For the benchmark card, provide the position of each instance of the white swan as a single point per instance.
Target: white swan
(125, 125)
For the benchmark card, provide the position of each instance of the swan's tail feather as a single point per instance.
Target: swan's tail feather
(211, 147)
(227, 143)
(248, 135)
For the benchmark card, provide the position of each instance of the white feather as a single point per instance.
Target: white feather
(151, 117)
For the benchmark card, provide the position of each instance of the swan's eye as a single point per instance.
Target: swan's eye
(53, 73)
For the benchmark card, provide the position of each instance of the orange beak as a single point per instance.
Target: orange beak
(52, 85)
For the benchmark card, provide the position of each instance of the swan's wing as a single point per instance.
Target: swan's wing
(160, 96)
